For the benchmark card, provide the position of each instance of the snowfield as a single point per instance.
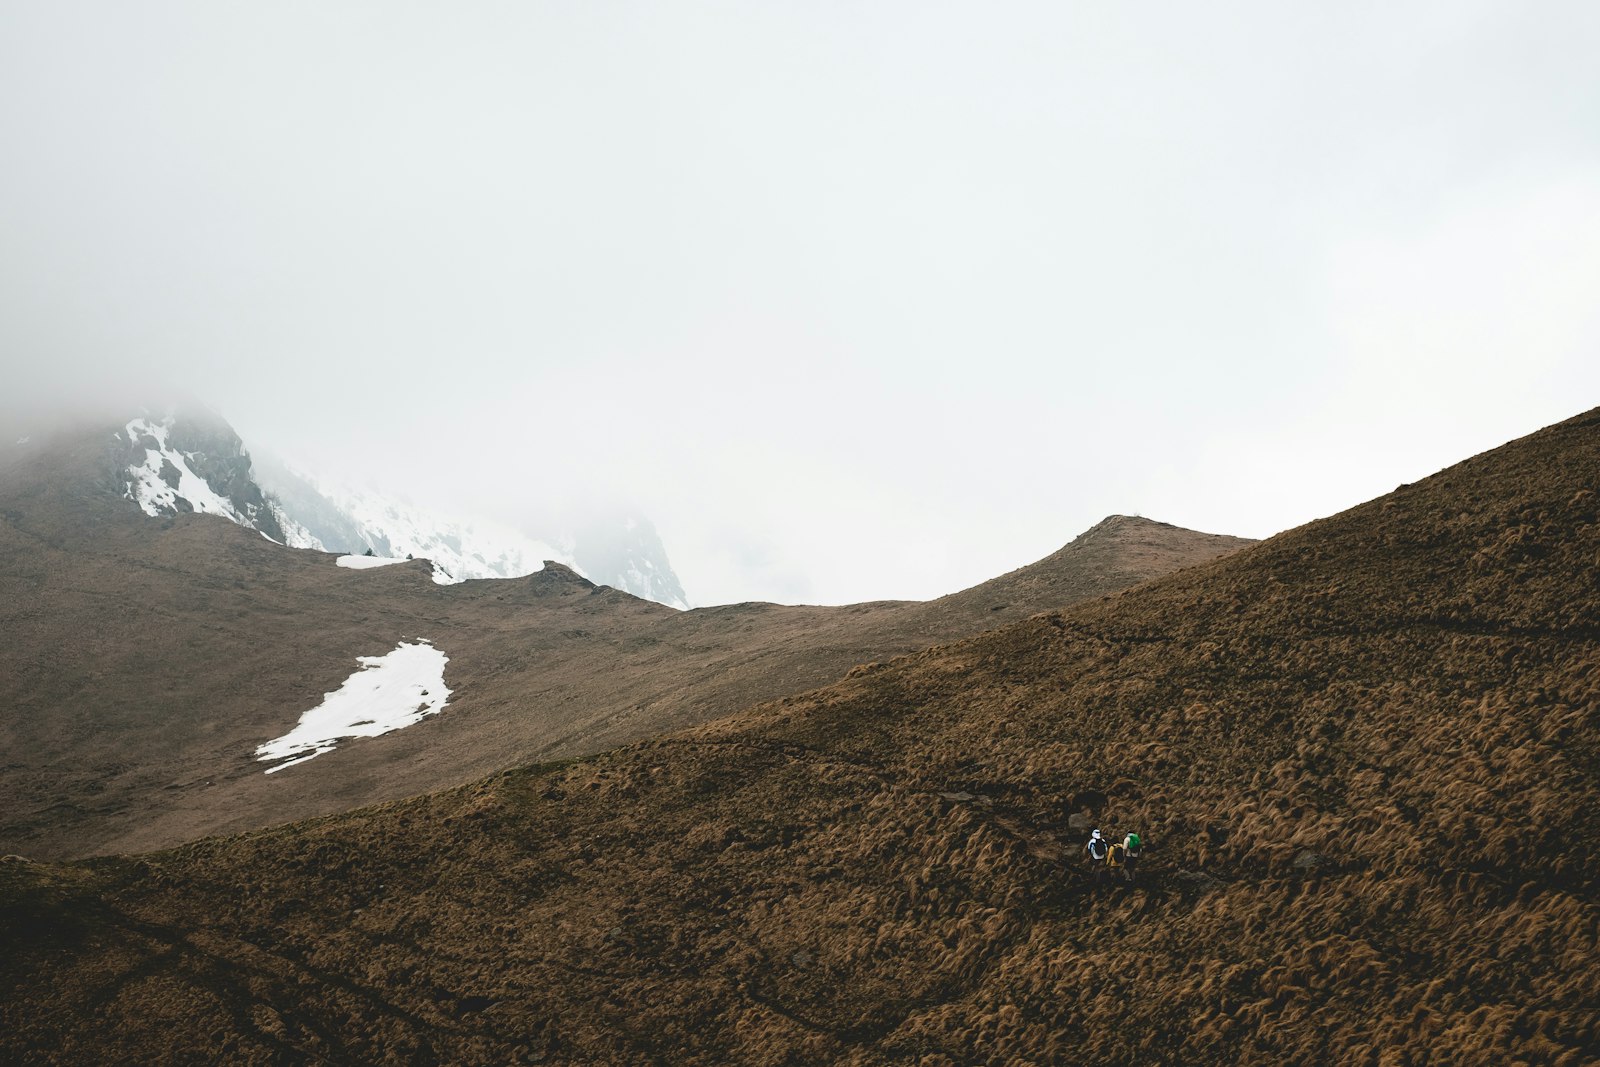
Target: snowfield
(389, 692)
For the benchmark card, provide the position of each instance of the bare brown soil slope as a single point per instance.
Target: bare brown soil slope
(1365, 755)
(143, 660)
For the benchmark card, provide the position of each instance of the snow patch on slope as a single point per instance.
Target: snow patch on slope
(365, 563)
(388, 693)
(151, 484)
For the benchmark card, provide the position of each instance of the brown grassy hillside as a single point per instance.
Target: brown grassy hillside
(1365, 754)
(142, 660)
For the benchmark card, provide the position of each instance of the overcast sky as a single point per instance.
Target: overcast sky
(854, 300)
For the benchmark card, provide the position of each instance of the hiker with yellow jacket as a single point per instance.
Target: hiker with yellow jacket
(1115, 857)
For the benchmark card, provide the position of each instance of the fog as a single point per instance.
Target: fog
(854, 301)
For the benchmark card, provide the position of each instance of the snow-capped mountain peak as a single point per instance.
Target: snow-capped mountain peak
(193, 462)
(164, 477)
(196, 464)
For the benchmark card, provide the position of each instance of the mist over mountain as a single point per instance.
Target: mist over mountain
(610, 547)
(323, 524)
(339, 518)
(625, 551)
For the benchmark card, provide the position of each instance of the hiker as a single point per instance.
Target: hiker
(1130, 855)
(1115, 857)
(1097, 847)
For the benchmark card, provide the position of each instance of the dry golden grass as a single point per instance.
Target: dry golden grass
(1365, 757)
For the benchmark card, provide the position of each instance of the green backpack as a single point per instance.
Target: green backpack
(1133, 844)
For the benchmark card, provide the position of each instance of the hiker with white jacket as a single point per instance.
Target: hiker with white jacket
(1097, 848)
